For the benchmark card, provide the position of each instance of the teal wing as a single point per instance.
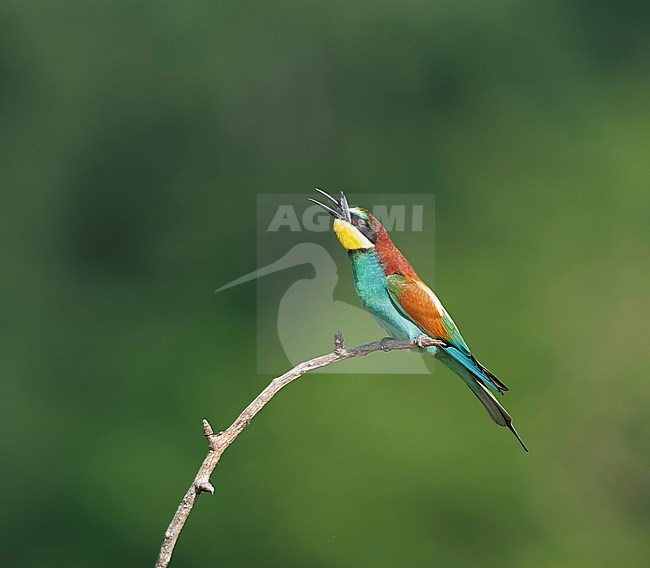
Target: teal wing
(419, 304)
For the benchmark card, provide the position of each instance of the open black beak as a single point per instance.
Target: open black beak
(340, 209)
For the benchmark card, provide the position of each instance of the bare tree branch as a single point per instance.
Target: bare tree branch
(217, 443)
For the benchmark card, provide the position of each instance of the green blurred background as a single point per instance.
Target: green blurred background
(134, 139)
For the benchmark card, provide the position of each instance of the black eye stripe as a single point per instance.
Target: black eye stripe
(368, 233)
(365, 228)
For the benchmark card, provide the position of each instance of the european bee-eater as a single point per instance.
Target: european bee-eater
(390, 289)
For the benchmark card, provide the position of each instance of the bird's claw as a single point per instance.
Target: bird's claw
(421, 341)
(383, 343)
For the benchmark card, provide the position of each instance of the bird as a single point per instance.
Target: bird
(388, 287)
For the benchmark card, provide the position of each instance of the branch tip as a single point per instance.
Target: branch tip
(207, 429)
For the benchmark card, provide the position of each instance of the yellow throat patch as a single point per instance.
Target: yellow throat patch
(350, 237)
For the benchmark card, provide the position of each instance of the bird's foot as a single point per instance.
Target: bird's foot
(421, 341)
(383, 343)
